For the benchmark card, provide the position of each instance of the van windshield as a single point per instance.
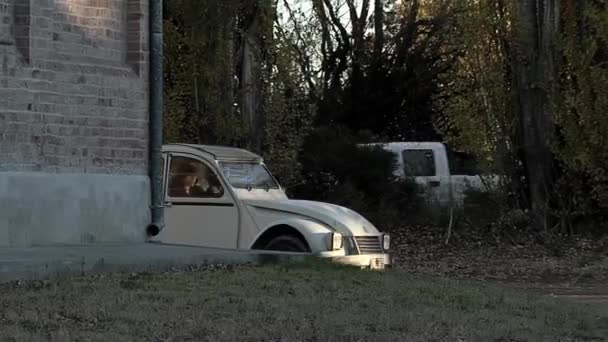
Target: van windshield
(248, 175)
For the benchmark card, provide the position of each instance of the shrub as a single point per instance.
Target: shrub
(336, 170)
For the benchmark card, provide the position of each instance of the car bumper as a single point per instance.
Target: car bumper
(369, 261)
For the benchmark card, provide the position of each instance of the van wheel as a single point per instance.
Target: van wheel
(286, 243)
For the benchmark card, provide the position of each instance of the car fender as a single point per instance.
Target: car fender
(315, 233)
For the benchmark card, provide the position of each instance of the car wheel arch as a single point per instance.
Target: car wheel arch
(279, 230)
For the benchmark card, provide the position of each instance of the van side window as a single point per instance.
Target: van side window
(418, 163)
(191, 178)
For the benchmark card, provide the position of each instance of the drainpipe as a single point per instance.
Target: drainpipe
(156, 116)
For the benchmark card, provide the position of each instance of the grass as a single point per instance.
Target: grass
(296, 302)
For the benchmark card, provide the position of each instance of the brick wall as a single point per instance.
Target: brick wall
(6, 22)
(73, 86)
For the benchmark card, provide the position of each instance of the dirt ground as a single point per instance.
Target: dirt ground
(576, 269)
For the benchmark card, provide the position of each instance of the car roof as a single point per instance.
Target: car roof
(221, 153)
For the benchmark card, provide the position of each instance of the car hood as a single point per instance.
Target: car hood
(343, 220)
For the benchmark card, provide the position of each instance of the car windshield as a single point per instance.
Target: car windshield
(248, 175)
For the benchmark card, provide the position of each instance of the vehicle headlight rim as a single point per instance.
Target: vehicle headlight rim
(386, 242)
(336, 241)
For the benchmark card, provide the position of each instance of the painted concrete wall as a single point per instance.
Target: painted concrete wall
(73, 121)
(43, 209)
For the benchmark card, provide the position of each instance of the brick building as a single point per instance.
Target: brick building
(73, 121)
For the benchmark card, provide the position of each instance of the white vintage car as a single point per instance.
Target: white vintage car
(225, 197)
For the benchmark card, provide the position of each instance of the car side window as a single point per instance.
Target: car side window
(163, 173)
(191, 178)
(419, 163)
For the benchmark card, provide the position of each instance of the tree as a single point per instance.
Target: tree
(536, 32)
(582, 144)
(255, 27)
(524, 97)
(381, 81)
(517, 83)
(200, 69)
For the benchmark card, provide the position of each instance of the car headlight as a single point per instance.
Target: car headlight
(336, 241)
(386, 242)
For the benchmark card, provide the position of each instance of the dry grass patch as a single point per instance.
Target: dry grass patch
(298, 302)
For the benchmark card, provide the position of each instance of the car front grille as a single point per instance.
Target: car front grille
(369, 244)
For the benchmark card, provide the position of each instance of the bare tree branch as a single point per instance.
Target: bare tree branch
(337, 23)
(303, 59)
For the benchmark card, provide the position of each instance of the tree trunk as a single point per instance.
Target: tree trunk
(327, 47)
(250, 87)
(378, 29)
(229, 85)
(359, 22)
(534, 74)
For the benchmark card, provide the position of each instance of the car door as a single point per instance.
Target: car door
(199, 209)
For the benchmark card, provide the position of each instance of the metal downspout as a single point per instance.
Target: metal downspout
(156, 116)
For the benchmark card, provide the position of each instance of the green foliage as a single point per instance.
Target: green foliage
(476, 97)
(203, 44)
(178, 124)
(390, 92)
(479, 103)
(336, 170)
(583, 104)
(289, 115)
(199, 72)
(442, 70)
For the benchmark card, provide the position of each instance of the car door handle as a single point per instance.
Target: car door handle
(168, 204)
(434, 183)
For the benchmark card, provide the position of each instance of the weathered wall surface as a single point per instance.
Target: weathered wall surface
(73, 121)
(42, 209)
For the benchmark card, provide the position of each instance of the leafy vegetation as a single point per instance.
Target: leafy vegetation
(521, 102)
(518, 84)
(336, 170)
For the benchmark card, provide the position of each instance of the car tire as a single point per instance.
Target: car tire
(287, 243)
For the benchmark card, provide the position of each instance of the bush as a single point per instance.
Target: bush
(336, 170)
(491, 215)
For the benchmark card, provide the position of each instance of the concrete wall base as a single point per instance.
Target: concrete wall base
(42, 209)
(55, 263)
